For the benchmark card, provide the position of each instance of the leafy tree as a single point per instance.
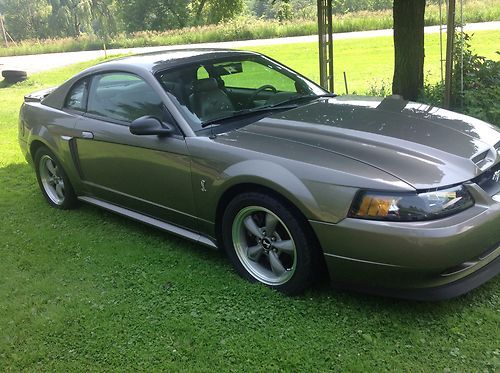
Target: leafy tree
(69, 17)
(26, 18)
(215, 11)
(72, 17)
(139, 15)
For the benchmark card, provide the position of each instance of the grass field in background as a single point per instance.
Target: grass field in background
(370, 62)
(247, 28)
(86, 290)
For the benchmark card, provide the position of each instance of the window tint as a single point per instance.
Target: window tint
(255, 75)
(77, 97)
(215, 87)
(124, 97)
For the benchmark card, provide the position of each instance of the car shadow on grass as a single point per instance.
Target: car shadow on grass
(89, 227)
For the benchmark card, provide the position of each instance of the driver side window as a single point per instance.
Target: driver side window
(123, 97)
(255, 75)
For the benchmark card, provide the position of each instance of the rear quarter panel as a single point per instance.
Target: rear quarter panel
(41, 124)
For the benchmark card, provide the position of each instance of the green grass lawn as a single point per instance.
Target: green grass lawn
(88, 290)
(370, 62)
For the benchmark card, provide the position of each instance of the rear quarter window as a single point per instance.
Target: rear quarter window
(77, 96)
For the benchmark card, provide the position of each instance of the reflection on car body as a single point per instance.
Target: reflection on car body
(234, 150)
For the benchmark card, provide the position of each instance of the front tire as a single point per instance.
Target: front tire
(267, 242)
(53, 180)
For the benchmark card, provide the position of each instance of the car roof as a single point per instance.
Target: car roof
(158, 61)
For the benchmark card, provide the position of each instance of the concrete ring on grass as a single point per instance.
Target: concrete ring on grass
(14, 76)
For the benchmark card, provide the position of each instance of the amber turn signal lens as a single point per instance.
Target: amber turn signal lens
(372, 206)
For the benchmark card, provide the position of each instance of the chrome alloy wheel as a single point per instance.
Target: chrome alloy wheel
(52, 180)
(264, 245)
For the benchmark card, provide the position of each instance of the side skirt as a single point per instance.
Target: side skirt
(170, 228)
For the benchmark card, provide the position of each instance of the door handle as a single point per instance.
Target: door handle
(87, 135)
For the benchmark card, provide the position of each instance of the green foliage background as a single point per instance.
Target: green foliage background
(42, 19)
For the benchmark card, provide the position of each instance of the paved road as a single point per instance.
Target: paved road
(41, 62)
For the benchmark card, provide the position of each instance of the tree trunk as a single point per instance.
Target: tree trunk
(200, 10)
(77, 26)
(408, 78)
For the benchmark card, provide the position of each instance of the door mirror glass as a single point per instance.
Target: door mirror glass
(149, 125)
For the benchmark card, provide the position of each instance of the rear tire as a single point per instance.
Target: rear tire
(53, 180)
(267, 242)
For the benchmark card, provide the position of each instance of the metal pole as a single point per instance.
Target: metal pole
(345, 83)
(321, 44)
(441, 39)
(450, 36)
(4, 32)
(461, 53)
(325, 38)
(331, 81)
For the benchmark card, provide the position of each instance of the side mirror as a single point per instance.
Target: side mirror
(149, 125)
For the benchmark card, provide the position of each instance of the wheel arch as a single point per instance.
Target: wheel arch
(246, 187)
(68, 164)
(35, 145)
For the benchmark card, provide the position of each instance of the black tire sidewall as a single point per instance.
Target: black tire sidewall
(70, 199)
(14, 76)
(303, 274)
(14, 73)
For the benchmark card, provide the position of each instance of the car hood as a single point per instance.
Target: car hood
(424, 146)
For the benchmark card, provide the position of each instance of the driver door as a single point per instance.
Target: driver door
(148, 174)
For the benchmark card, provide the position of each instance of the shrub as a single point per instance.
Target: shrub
(481, 84)
(379, 88)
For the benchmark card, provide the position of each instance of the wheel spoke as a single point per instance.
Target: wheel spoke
(276, 265)
(271, 222)
(285, 246)
(60, 190)
(51, 167)
(252, 227)
(254, 252)
(264, 245)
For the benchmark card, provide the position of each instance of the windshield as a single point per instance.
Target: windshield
(221, 89)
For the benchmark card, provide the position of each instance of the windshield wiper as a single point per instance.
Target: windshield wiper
(245, 112)
(300, 98)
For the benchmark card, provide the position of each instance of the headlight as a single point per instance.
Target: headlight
(410, 206)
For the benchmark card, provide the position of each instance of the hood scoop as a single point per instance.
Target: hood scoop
(485, 159)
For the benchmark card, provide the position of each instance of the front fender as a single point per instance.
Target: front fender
(272, 176)
(314, 199)
(320, 184)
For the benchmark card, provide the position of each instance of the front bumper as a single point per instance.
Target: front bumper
(436, 259)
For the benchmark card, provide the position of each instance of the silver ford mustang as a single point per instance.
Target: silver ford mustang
(233, 149)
